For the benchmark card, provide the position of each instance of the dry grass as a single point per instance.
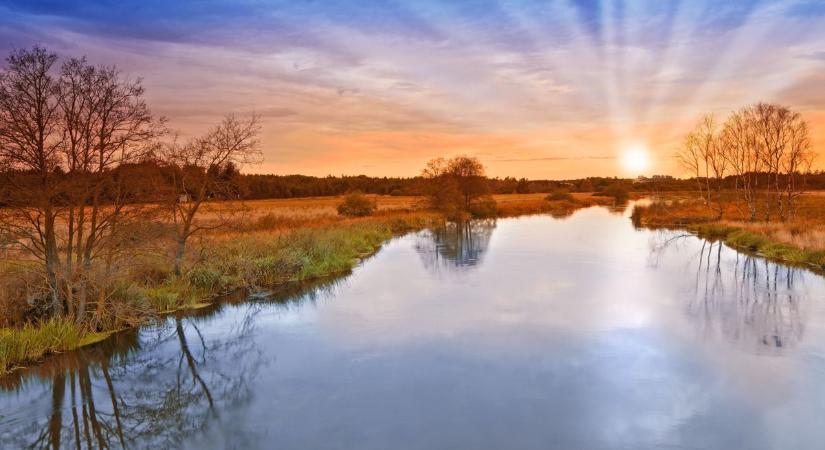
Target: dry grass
(520, 204)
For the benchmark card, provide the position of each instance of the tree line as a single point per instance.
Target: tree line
(763, 150)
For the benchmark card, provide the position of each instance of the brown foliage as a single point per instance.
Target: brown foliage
(459, 186)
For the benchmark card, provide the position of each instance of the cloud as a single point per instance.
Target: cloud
(559, 158)
(388, 84)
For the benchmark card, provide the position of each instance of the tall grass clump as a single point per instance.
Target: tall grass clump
(300, 255)
(32, 341)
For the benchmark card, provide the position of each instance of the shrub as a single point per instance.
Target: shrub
(559, 195)
(617, 191)
(636, 216)
(484, 207)
(204, 278)
(356, 204)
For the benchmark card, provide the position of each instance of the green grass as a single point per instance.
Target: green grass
(761, 244)
(31, 342)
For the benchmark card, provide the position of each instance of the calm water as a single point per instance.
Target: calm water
(530, 333)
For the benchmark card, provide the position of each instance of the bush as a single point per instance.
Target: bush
(204, 278)
(617, 191)
(484, 207)
(560, 195)
(356, 204)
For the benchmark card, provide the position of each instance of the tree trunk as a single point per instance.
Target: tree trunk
(179, 254)
(52, 263)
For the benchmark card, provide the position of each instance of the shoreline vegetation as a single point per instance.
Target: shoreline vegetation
(751, 170)
(278, 242)
(799, 241)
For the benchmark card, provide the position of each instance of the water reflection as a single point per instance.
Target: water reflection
(580, 333)
(739, 297)
(455, 245)
(157, 388)
(755, 303)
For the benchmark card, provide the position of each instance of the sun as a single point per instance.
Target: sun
(636, 159)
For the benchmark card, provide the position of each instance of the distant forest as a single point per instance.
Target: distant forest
(259, 186)
(290, 186)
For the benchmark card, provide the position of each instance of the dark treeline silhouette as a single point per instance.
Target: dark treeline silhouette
(257, 186)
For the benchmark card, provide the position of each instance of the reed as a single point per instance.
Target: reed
(25, 344)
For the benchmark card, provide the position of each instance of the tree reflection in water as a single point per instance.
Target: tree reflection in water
(156, 391)
(740, 297)
(455, 245)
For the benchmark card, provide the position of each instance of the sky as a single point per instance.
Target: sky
(536, 89)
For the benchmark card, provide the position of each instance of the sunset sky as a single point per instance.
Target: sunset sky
(541, 89)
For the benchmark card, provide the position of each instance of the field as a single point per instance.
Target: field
(322, 209)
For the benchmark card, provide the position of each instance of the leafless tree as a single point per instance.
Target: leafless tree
(742, 153)
(67, 140)
(107, 127)
(797, 163)
(30, 142)
(702, 155)
(197, 167)
(770, 142)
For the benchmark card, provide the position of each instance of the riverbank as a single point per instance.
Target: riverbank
(798, 241)
(239, 261)
(278, 242)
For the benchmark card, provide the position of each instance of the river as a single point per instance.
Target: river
(576, 332)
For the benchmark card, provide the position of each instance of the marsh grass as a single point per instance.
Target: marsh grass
(25, 344)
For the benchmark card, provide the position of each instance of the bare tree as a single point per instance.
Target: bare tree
(67, 139)
(30, 142)
(796, 164)
(740, 150)
(107, 127)
(702, 155)
(768, 149)
(196, 172)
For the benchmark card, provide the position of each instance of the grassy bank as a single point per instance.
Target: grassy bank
(18, 346)
(229, 261)
(762, 244)
(798, 241)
